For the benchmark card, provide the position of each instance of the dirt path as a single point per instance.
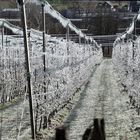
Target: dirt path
(102, 98)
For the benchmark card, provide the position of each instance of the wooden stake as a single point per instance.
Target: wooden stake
(68, 33)
(2, 31)
(27, 62)
(44, 45)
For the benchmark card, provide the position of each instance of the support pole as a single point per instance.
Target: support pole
(44, 46)
(68, 33)
(27, 63)
(2, 31)
(85, 42)
(68, 39)
(79, 40)
(135, 20)
(134, 37)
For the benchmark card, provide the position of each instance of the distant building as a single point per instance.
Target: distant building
(11, 14)
(106, 5)
(134, 6)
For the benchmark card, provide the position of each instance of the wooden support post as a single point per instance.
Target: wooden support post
(2, 33)
(44, 47)
(85, 41)
(45, 120)
(68, 39)
(134, 37)
(68, 34)
(27, 62)
(79, 40)
(135, 20)
(6, 41)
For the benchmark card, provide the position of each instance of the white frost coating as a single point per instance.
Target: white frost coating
(123, 36)
(91, 39)
(37, 34)
(64, 21)
(13, 28)
(18, 30)
(126, 58)
(48, 9)
(138, 17)
(131, 29)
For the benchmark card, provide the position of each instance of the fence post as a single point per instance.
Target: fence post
(68, 33)
(135, 20)
(79, 40)
(2, 31)
(44, 45)
(28, 69)
(134, 37)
